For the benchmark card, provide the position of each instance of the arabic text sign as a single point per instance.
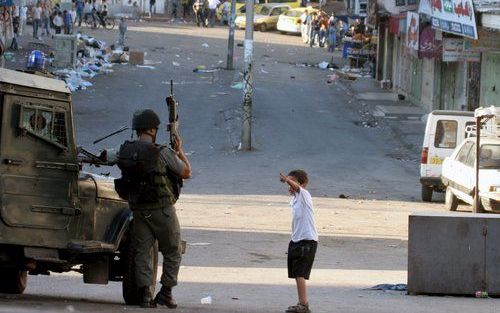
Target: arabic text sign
(459, 50)
(454, 16)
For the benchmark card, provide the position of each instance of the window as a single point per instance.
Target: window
(490, 156)
(264, 11)
(464, 152)
(446, 134)
(469, 126)
(471, 157)
(46, 123)
(293, 13)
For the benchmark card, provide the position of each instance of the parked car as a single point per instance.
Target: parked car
(266, 17)
(240, 9)
(290, 22)
(459, 174)
(445, 130)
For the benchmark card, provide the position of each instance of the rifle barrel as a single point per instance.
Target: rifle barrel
(121, 129)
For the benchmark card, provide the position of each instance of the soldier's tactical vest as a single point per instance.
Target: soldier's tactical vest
(144, 182)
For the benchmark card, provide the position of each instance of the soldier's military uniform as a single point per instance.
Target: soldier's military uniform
(152, 197)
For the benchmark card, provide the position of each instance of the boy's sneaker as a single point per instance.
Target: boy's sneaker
(299, 308)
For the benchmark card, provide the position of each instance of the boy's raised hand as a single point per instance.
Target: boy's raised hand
(282, 178)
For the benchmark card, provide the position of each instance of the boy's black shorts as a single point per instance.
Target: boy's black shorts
(301, 257)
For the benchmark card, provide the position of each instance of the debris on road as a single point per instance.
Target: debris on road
(389, 287)
(342, 196)
(176, 63)
(238, 85)
(147, 66)
(199, 244)
(205, 45)
(206, 300)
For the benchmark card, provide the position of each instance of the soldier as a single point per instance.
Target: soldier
(148, 183)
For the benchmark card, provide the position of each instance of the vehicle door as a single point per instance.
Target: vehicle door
(442, 144)
(272, 20)
(39, 167)
(469, 172)
(458, 170)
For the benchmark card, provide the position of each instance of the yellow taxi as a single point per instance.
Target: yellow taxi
(290, 22)
(240, 7)
(265, 18)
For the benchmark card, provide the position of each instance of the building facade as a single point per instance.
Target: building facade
(440, 54)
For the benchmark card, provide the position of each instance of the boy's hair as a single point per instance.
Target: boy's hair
(300, 175)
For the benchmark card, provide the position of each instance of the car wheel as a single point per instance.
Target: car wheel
(282, 32)
(13, 281)
(481, 206)
(263, 27)
(130, 290)
(451, 201)
(426, 193)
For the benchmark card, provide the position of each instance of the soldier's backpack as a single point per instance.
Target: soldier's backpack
(142, 181)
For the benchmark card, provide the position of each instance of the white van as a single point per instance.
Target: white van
(445, 130)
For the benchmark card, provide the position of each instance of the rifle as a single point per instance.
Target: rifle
(172, 128)
(173, 117)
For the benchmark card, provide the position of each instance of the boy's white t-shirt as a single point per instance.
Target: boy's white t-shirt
(303, 226)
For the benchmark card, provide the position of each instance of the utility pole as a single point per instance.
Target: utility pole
(246, 134)
(230, 42)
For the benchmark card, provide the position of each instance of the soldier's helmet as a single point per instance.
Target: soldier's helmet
(145, 119)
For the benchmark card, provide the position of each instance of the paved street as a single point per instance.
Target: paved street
(234, 211)
(299, 120)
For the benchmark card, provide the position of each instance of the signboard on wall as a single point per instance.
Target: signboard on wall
(6, 3)
(452, 16)
(429, 47)
(459, 50)
(412, 32)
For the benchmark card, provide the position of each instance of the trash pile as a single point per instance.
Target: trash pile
(93, 58)
(353, 72)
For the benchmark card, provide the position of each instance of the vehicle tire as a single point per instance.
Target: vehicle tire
(263, 27)
(450, 201)
(282, 32)
(13, 281)
(427, 193)
(481, 206)
(130, 290)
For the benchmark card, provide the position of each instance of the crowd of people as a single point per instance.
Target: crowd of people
(320, 30)
(49, 19)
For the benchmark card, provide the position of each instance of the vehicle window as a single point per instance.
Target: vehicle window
(293, 13)
(468, 129)
(446, 134)
(471, 156)
(46, 123)
(490, 156)
(464, 152)
(264, 11)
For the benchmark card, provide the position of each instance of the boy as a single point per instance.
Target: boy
(302, 247)
(58, 22)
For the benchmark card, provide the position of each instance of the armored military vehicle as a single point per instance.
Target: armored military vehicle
(53, 216)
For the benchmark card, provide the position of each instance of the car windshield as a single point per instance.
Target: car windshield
(490, 156)
(293, 13)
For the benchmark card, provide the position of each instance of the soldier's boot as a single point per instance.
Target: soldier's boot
(164, 297)
(146, 298)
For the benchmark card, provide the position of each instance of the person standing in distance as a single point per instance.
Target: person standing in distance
(147, 169)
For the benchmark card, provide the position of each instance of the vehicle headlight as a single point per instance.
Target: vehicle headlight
(494, 188)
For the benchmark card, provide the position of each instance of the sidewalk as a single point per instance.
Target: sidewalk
(406, 120)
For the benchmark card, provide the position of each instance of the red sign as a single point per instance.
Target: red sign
(428, 46)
